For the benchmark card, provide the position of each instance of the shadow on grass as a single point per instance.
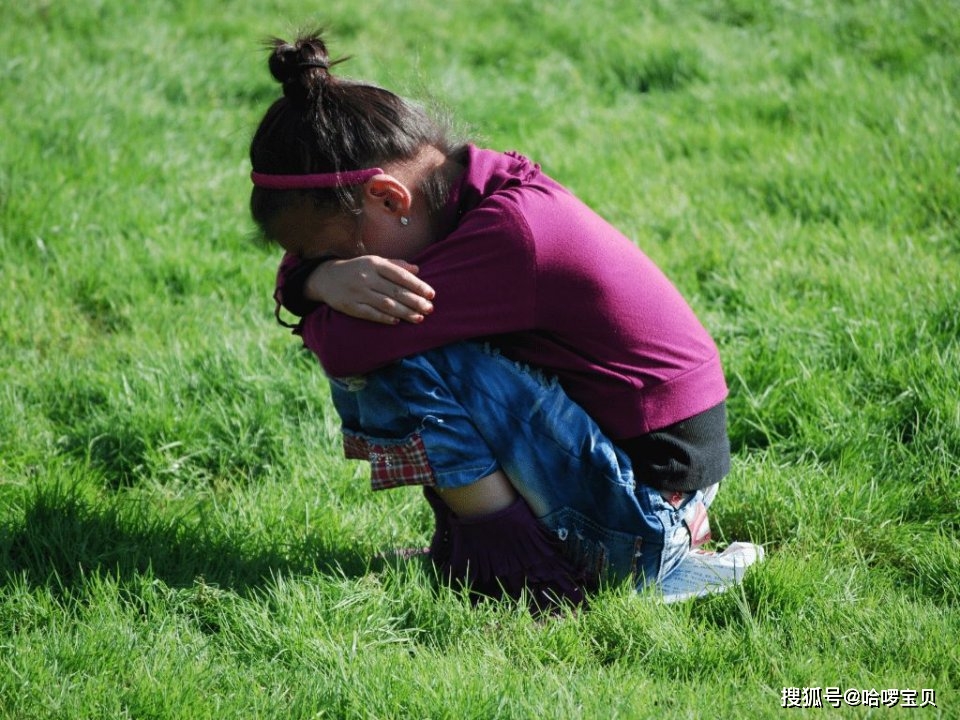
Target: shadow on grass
(63, 538)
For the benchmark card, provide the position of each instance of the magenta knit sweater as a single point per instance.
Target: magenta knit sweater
(529, 267)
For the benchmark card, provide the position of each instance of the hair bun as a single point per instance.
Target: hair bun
(299, 66)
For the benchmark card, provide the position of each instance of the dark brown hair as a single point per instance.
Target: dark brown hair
(325, 124)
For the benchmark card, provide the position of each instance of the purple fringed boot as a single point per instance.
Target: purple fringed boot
(504, 553)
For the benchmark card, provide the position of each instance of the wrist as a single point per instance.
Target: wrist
(313, 283)
(291, 290)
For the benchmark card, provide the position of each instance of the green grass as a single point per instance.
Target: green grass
(179, 537)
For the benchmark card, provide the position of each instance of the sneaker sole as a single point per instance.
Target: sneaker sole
(705, 573)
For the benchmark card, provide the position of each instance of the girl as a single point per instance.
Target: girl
(491, 338)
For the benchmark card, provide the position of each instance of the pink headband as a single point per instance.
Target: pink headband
(313, 182)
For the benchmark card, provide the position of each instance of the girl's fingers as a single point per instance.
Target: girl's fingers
(403, 274)
(383, 291)
(388, 312)
(400, 300)
(414, 302)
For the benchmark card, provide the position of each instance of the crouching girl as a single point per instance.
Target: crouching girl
(491, 338)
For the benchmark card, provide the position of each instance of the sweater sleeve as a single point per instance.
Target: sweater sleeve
(484, 275)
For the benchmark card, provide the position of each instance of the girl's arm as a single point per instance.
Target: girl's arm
(368, 288)
(484, 276)
(371, 288)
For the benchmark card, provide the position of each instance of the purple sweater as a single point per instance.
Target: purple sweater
(530, 268)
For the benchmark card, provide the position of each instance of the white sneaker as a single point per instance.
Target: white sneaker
(703, 572)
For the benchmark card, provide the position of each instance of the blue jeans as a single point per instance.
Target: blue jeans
(451, 416)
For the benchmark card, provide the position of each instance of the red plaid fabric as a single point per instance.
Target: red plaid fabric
(391, 464)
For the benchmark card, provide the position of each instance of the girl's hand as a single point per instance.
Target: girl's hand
(372, 288)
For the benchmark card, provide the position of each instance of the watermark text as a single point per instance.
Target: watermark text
(818, 697)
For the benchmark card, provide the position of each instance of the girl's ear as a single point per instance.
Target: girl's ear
(384, 193)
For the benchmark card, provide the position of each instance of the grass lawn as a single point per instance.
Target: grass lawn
(179, 535)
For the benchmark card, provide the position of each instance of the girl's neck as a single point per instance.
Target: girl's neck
(415, 171)
(419, 174)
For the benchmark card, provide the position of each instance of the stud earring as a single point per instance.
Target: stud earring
(404, 220)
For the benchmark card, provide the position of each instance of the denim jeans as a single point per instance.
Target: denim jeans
(453, 415)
